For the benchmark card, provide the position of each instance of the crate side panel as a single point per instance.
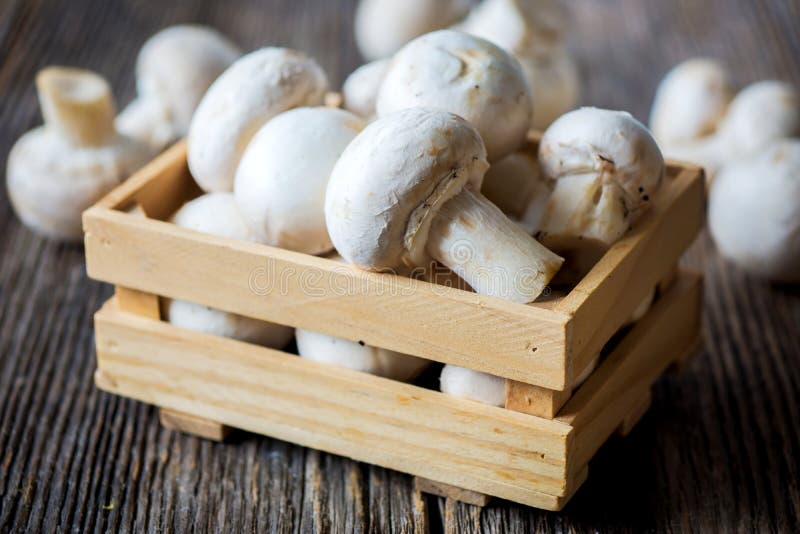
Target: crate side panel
(606, 297)
(598, 407)
(524, 343)
(395, 425)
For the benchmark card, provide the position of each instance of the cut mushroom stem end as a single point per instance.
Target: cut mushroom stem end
(471, 236)
(78, 103)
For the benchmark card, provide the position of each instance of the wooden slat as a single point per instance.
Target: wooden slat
(529, 344)
(404, 427)
(535, 400)
(160, 187)
(615, 389)
(641, 407)
(191, 424)
(426, 485)
(137, 302)
(524, 343)
(605, 299)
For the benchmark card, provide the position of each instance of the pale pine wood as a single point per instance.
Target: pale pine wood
(192, 424)
(426, 485)
(641, 407)
(534, 400)
(379, 421)
(333, 99)
(159, 188)
(614, 390)
(137, 302)
(439, 323)
(131, 300)
(469, 445)
(607, 296)
(534, 344)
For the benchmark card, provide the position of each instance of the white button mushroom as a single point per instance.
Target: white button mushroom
(531, 27)
(690, 101)
(533, 32)
(516, 185)
(407, 188)
(174, 69)
(555, 85)
(465, 75)
(281, 180)
(606, 168)
(360, 89)
(695, 120)
(473, 385)
(217, 214)
(358, 356)
(58, 170)
(754, 212)
(382, 27)
(249, 93)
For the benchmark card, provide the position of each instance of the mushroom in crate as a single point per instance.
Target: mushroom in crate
(217, 214)
(408, 188)
(174, 69)
(358, 356)
(250, 92)
(360, 89)
(282, 177)
(382, 27)
(518, 187)
(58, 170)
(465, 75)
(533, 32)
(607, 168)
(384, 213)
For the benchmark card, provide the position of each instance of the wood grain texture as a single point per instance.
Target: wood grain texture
(716, 452)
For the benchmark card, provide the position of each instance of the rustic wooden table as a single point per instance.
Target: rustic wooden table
(719, 450)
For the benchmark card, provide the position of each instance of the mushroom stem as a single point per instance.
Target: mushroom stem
(78, 103)
(471, 236)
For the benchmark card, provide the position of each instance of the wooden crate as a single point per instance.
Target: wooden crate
(207, 384)
(545, 344)
(461, 443)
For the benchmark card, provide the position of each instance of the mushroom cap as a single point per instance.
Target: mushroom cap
(516, 185)
(610, 146)
(760, 114)
(51, 181)
(217, 214)
(360, 89)
(528, 27)
(178, 64)
(690, 101)
(281, 180)
(249, 93)
(382, 27)
(391, 181)
(358, 356)
(201, 318)
(465, 75)
(754, 212)
(473, 385)
(555, 85)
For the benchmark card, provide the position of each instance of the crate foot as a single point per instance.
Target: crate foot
(191, 424)
(685, 359)
(535, 400)
(632, 419)
(425, 485)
